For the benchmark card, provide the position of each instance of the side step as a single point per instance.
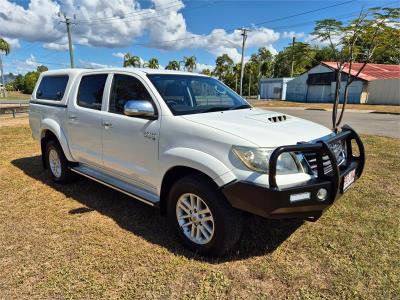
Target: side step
(118, 185)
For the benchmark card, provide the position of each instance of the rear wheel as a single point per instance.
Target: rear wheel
(57, 163)
(202, 218)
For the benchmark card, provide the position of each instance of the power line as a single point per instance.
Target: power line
(264, 22)
(338, 17)
(131, 14)
(254, 29)
(303, 13)
(151, 17)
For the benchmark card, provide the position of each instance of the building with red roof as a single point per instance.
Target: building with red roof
(375, 84)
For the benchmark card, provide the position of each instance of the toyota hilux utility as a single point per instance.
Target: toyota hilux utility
(190, 146)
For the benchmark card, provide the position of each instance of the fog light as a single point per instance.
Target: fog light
(322, 194)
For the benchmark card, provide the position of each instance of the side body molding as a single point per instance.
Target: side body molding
(207, 164)
(54, 127)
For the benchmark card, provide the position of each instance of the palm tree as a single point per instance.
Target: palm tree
(190, 63)
(131, 61)
(4, 49)
(152, 63)
(206, 72)
(172, 65)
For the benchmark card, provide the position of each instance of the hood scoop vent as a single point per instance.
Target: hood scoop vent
(277, 119)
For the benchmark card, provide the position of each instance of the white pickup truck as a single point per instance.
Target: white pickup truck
(192, 147)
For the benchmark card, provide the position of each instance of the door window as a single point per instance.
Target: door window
(126, 88)
(90, 92)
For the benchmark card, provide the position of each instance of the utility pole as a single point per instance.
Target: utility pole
(236, 83)
(291, 71)
(250, 83)
(68, 22)
(3, 88)
(258, 80)
(244, 34)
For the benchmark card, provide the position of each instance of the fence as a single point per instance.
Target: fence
(13, 107)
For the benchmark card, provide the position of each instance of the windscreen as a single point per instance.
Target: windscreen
(187, 94)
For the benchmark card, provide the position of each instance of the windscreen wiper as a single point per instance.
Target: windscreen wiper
(216, 108)
(240, 107)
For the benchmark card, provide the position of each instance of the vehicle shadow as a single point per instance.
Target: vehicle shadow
(260, 236)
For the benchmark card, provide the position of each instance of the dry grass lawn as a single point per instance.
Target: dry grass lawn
(85, 241)
(17, 96)
(328, 106)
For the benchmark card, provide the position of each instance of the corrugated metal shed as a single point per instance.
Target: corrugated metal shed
(376, 84)
(370, 71)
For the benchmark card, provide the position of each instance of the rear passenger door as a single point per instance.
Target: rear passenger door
(84, 120)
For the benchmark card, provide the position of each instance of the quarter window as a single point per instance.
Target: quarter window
(126, 88)
(52, 87)
(90, 93)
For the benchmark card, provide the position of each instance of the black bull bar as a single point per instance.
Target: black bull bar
(321, 148)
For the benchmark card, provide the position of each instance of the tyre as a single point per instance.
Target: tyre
(57, 163)
(201, 216)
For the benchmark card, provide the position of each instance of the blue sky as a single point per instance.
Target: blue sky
(105, 31)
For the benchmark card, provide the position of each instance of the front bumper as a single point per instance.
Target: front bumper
(274, 202)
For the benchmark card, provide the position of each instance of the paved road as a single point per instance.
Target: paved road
(367, 123)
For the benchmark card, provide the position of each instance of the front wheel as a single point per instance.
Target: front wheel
(203, 219)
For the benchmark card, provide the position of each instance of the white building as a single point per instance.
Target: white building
(274, 88)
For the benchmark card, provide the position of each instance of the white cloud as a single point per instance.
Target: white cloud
(56, 46)
(19, 66)
(14, 43)
(291, 34)
(31, 61)
(119, 54)
(113, 24)
(92, 65)
(200, 67)
(315, 41)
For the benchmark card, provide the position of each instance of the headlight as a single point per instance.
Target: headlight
(257, 159)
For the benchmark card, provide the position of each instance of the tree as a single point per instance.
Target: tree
(223, 67)
(190, 63)
(225, 71)
(42, 69)
(265, 60)
(354, 41)
(206, 72)
(131, 61)
(173, 65)
(384, 54)
(19, 83)
(303, 55)
(30, 80)
(5, 49)
(152, 63)
(261, 65)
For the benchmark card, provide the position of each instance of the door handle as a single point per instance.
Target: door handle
(72, 117)
(107, 124)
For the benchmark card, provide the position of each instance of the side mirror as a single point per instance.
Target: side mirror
(139, 108)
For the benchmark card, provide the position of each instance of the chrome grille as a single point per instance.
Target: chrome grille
(338, 148)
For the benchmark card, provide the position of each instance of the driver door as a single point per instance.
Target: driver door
(130, 144)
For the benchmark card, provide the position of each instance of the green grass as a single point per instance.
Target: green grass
(85, 241)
